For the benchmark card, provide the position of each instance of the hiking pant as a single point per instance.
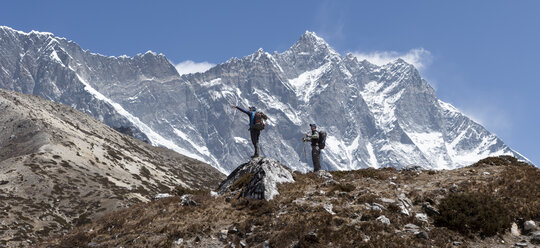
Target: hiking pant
(316, 157)
(255, 139)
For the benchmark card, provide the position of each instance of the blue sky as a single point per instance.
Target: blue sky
(481, 56)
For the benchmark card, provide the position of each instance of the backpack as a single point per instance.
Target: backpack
(259, 121)
(322, 139)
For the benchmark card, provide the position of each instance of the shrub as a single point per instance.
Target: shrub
(180, 191)
(498, 161)
(473, 213)
(343, 187)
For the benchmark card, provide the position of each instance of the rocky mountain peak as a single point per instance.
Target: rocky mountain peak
(377, 116)
(310, 44)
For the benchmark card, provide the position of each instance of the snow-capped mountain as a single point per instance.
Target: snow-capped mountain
(375, 116)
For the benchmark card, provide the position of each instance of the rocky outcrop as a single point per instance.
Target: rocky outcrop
(257, 179)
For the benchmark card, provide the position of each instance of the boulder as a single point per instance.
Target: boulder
(430, 210)
(383, 219)
(412, 228)
(515, 230)
(405, 204)
(187, 200)
(324, 174)
(266, 174)
(535, 238)
(529, 226)
(422, 235)
(421, 217)
(412, 167)
(521, 244)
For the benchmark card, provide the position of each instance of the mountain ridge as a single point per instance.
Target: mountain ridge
(60, 168)
(389, 114)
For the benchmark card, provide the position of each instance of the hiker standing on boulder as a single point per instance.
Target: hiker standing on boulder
(256, 125)
(317, 143)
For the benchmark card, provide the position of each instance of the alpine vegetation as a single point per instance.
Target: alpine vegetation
(375, 116)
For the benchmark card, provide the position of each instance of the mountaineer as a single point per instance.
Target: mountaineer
(256, 125)
(318, 139)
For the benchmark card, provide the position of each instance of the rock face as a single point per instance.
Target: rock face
(375, 116)
(60, 168)
(261, 175)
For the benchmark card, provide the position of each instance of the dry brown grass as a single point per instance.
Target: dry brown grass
(297, 216)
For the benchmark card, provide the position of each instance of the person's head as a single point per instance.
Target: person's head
(252, 108)
(313, 126)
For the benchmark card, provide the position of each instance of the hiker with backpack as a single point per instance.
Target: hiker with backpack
(318, 140)
(256, 125)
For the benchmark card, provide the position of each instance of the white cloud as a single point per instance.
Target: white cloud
(419, 57)
(189, 66)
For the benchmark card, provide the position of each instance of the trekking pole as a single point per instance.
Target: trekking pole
(303, 150)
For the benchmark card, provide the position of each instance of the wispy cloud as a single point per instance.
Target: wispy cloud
(419, 57)
(189, 66)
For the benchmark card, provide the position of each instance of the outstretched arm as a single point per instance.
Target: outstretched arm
(241, 109)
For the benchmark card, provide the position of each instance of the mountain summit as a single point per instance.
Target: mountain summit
(375, 116)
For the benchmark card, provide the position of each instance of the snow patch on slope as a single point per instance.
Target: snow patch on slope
(154, 137)
(381, 103)
(345, 152)
(432, 146)
(273, 102)
(304, 85)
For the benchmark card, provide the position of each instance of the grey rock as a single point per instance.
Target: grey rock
(535, 238)
(179, 241)
(161, 196)
(223, 234)
(328, 207)
(529, 226)
(422, 235)
(266, 244)
(92, 244)
(405, 204)
(388, 200)
(454, 188)
(187, 200)
(329, 182)
(431, 211)
(243, 243)
(421, 217)
(383, 220)
(411, 228)
(378, 205)
(267, 173)
(514, 229)
(233, 230)
(522, 243)
(324, 174)
(373, 207)
(457, 243)
(412, 167)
